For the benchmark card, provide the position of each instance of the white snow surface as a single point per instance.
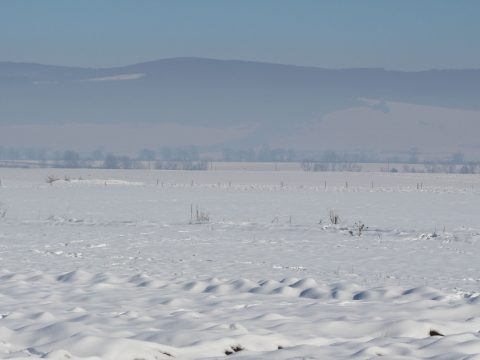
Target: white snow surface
(109, 265)
(121, 77)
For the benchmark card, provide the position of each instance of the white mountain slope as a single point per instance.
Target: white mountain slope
(281, 105)
(391, 127)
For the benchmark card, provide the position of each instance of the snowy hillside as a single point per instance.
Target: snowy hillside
(236, 104)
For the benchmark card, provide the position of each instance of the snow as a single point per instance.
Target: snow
(109, 265)
(390, 127)
(120, 77)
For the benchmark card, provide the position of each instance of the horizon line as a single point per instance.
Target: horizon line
(231, 60)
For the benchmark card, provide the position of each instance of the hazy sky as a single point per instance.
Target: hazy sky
(394, 34)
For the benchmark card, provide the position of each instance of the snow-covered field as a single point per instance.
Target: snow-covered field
(108, 265)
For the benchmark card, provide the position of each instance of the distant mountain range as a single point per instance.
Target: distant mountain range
(218, 103)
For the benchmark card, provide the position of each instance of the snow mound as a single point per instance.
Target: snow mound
(83, 315)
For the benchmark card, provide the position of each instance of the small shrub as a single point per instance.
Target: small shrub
(198, 216)
(334, 217)
(360, 228)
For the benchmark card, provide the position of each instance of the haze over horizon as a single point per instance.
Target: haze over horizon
(406, 35)
(313, 76)
(146, 61)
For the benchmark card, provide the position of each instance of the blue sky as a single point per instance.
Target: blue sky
(394, 34)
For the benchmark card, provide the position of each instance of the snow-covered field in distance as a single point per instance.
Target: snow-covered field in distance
(107, 265)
